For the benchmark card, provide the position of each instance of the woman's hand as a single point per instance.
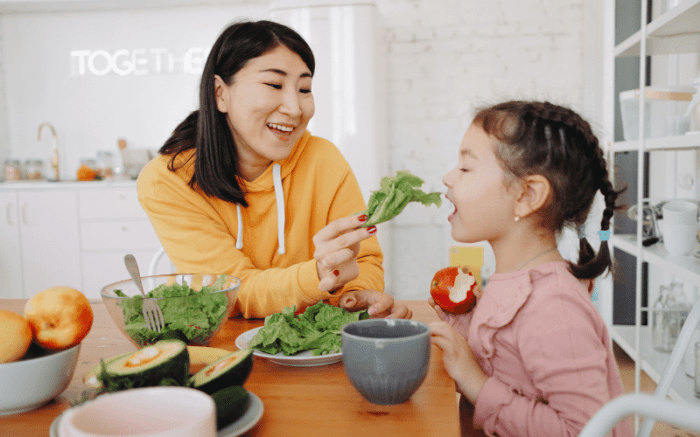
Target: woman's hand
(377, 304)
(337, 246)
(459, 360)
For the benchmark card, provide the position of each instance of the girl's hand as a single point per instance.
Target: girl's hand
(377, 304)
(459, 322)
(337, 246)
(459, 360)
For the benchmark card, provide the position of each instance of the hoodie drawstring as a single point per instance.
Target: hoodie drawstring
(279, 197)
(239, 240)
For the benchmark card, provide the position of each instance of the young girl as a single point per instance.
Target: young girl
(533, 357)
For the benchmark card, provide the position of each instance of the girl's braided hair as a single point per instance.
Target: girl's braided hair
(555, 142)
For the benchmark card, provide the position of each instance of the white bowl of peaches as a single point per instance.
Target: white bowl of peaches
(39, 349)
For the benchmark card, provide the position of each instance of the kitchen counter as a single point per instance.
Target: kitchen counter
(47, 185)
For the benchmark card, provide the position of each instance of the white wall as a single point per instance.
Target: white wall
(442, 59)
(91, 110)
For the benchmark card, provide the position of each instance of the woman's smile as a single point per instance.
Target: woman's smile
(282, 131)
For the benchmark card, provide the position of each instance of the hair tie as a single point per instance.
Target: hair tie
(604, 235)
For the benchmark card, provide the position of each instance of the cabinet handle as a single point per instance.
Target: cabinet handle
(24, 214)
(8, 213)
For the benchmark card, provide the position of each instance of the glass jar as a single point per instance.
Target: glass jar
(105, 165)
(34, 169)
(668, 316)
(86, 171)
(13, 170)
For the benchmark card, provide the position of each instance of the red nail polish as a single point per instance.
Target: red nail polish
(363, 218)
(336, 272)
(372, 229)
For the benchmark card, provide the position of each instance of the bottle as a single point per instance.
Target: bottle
(13, 170)
(668, 316)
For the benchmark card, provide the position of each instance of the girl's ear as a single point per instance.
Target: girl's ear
(534, 193)
(220, 89)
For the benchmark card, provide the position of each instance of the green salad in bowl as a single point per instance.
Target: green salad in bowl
(194, 306)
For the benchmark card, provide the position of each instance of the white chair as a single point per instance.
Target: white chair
(683, 415)
(153, 267)
(674, 361)
(653, 407)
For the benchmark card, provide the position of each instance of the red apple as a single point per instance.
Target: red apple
(60, 317)
(453, 290)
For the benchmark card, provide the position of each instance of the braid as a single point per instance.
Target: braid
(591, 265)
(554, 141)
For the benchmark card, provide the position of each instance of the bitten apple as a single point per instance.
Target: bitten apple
(453, 290)
(60, 317)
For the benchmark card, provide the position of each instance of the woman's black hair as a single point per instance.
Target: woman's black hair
(206, 129)
(554, 141)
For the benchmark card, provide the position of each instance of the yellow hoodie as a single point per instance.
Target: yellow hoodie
(270, 247)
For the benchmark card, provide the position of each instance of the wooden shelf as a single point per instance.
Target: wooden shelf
(654, 362)
(675, 31)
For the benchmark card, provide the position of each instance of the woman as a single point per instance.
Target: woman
(241, 187)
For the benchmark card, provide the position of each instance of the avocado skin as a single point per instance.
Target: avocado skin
(231, 404)
(176, 368)
(236, 375)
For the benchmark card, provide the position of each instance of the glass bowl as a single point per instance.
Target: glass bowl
(195, 318)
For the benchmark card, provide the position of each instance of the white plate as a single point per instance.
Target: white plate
(303, 359)
(245, 423)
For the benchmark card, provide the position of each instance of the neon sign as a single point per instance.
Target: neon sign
(137, 62)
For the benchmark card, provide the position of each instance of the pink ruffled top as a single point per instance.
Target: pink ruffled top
(547, 353)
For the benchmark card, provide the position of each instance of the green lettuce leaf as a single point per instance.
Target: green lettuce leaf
(393, 196)
(317, 330)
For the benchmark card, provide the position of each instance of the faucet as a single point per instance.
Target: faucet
(54, 157)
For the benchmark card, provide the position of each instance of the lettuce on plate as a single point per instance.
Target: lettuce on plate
(317, 330)
(393, 196)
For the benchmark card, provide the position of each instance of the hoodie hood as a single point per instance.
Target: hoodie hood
(271, 180)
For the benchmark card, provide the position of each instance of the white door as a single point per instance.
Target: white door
(50, 240)
(10, 258)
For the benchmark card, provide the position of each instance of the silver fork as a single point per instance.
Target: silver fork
(151, 310)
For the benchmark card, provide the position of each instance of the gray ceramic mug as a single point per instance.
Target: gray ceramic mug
(386, 360)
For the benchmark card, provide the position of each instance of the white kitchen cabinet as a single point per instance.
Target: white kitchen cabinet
(10, 251)
(49, 239)
(112, 224)
(73, 234)
(675, 31)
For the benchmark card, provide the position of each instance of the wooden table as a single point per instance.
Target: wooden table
(303, 401)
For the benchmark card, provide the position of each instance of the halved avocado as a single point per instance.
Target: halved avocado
(232, 369)
(91, 377)
(231, 403)
(164, 360)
